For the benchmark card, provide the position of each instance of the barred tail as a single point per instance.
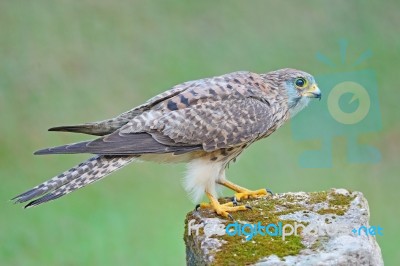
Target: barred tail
(77, 177)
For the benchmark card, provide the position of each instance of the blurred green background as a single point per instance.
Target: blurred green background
(64, 63)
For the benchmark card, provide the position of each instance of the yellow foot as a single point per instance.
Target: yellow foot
(221, 209)
(246, 194)
(205, 205)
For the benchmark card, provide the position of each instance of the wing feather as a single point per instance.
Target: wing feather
(217, 113)
(119, 144)
(218, 125)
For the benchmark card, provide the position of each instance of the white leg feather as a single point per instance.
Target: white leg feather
(202, 175)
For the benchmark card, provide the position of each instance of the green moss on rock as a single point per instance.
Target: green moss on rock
(238, 251)
(338, 203)
(318, 197)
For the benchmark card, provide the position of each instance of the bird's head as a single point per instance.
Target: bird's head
(298, 87)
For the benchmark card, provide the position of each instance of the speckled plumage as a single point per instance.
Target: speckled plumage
(206, 122)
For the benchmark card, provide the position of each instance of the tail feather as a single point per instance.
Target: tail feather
(90, 129)
(122, 144)
(77, 177)
(100, 128)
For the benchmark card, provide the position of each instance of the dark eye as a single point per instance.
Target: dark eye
(300, 82)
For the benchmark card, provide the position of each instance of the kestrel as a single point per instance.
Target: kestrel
(206, 123)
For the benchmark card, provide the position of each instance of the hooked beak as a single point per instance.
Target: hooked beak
(313, 92)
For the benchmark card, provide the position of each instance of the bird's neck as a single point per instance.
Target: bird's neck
(295, 106)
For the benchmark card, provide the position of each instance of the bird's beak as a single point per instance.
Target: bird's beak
(313, 92)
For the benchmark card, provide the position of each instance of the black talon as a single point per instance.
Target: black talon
(197, 207)
(269, 191)
(230, 217)
(248, 207)
(234, 201)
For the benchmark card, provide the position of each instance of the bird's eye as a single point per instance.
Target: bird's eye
(300, 82)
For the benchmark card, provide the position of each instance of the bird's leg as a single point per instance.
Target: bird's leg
(221, 209)
(244, 193)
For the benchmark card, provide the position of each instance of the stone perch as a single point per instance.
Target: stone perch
(317, 228)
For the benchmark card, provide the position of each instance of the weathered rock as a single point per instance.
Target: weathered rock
(328, 228)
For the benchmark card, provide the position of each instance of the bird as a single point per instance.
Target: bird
(206, 123)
